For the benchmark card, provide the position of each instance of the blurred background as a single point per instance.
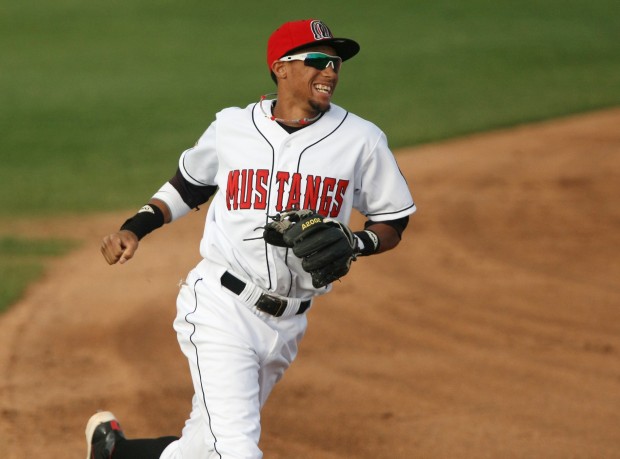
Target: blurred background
(98, 99)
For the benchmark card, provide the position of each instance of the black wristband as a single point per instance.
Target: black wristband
(370, 240)
(147, 219)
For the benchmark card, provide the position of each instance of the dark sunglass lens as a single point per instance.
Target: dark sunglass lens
(320, 63)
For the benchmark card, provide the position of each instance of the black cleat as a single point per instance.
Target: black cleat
(102, 433)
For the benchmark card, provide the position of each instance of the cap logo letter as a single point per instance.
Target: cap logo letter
(320, 30)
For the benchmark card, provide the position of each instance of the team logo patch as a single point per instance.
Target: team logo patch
(320, 30)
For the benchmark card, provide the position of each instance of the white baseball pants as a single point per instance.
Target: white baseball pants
(236, 355)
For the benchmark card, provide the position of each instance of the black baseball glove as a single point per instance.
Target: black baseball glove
(326, 247)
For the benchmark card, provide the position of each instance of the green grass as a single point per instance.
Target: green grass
(16, 276)
(22, 261)
(98, 99)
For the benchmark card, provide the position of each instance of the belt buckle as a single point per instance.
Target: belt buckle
(273, 305)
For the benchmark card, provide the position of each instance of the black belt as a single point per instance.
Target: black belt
(268, 303)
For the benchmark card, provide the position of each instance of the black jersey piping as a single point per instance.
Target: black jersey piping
(270, 182)
(271, 174)
(190, 175)
(390, 213)
(320, 140)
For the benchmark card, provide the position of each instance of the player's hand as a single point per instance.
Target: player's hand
(119, 247)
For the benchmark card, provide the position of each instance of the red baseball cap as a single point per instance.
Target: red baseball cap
(293, 36)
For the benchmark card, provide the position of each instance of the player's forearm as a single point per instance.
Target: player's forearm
(388, 236)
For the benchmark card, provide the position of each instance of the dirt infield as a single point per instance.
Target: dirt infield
(492, 332)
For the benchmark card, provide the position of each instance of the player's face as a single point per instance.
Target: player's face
(313, 88)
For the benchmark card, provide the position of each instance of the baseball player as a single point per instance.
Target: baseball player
(284, 175)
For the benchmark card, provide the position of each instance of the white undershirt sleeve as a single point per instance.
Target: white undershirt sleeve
(169, 194)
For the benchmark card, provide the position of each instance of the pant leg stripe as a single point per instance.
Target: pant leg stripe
(198, 365)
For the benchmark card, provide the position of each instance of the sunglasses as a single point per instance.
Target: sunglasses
(319, 61)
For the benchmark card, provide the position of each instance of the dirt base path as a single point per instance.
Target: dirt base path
(492, 332)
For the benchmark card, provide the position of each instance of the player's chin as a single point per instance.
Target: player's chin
(320, 104)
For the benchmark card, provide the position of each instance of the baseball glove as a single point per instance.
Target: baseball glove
(326, 247)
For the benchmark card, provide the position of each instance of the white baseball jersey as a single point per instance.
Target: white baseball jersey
(338, 163)
(236, 352)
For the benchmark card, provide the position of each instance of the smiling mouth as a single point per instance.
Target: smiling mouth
(323, 89)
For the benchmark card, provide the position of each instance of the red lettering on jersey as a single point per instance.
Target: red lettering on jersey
(294, 192)
(262, 177)
(247, 187)
(232, 190)
(326, 200)
(313, 184)
(282, 179)
(341, 189)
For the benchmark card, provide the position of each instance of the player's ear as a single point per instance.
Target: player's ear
(279, 69)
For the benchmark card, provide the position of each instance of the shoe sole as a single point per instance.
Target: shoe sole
(93, 422)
